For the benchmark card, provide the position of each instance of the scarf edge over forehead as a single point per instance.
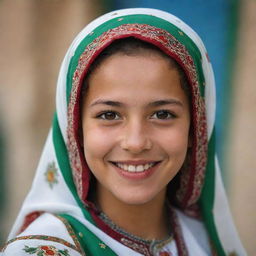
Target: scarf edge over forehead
(181, 43)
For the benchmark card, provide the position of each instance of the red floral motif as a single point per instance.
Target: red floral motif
(46, 251)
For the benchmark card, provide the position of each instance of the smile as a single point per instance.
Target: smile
(135, 168)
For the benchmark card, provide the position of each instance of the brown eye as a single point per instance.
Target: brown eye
(163, 114)
(109, 115)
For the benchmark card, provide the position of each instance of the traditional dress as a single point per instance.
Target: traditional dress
(57, 217)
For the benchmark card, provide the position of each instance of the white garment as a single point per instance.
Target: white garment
(49, 225)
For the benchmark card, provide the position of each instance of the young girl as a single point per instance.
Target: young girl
(129, 166)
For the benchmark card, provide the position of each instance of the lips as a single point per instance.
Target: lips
(135, 167)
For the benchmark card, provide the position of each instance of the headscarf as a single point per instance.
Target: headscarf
(62, 178)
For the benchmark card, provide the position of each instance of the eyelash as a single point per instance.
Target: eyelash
(103, 114)
(170, 115)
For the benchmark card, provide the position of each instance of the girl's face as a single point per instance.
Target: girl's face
(135, 124)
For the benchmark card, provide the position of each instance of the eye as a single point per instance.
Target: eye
(109, 115)
(163, 114)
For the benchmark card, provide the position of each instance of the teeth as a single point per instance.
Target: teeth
(131, 168)
(139, 168)
(135, 168)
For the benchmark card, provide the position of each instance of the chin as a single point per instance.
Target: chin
(137, 197)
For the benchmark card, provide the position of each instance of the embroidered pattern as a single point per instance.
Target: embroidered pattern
(102, 246)
(192, 174)
(158, 246)
(122, 232)
(51, 174)
(44, 250)
(41, 237)
(71, 233)
(146, 247)
(136, 246)
(182, 250)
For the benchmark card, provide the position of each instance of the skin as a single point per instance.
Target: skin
(135, 112)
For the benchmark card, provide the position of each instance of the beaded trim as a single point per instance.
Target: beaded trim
(116, 228)
(146, 247)
(192, 173)
(113, 226)
(72, 234)
(157, 247)
(42, 237)
(135, 246)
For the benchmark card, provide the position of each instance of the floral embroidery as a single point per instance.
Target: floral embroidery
(44, 250)
(102, 246)
(42, 237)
(51, 174)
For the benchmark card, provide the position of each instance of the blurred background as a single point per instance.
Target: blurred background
(34, 36)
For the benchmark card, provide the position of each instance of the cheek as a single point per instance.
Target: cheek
(97, 143)
(175, 141)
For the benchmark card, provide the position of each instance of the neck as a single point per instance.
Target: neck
(148, 220)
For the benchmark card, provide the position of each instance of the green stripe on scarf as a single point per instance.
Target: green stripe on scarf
(90, 243)
(141, 19)
(63, 161)
(207, 197)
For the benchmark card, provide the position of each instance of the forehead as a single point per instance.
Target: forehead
(136, 78)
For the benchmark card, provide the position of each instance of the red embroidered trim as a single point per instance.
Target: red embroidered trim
(133, 243)
(177, 232)
(42, 237)
(71, 233)
(192, 173)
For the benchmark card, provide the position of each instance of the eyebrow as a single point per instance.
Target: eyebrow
(157, 103)
(107, 102)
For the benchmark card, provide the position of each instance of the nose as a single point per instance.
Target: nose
(136, 138)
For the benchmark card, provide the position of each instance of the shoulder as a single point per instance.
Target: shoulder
(194, 234)
(47, 235)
